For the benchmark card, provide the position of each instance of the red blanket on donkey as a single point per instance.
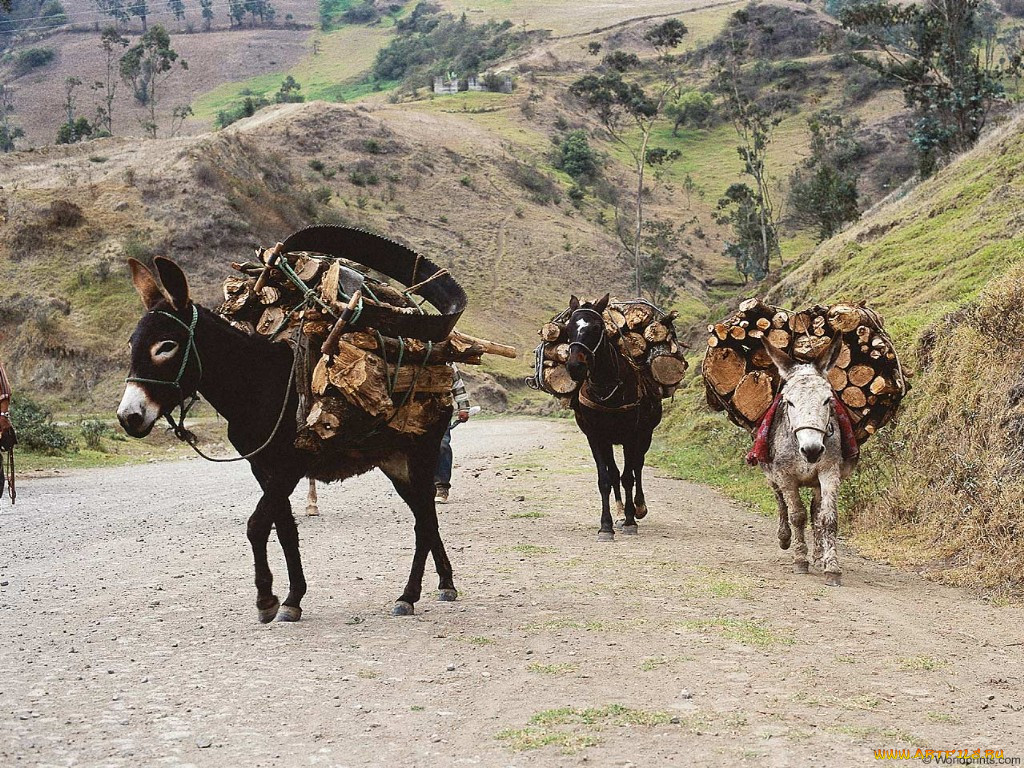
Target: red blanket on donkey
(760, 451)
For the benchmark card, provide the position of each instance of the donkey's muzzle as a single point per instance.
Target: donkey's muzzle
(812, 453)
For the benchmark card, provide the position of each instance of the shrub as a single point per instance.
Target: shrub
(322, 195)
(36, 431)
(364, 174)
(542, 188)
(577, 158)
(64, 213)
(31, 58)
(93, 431)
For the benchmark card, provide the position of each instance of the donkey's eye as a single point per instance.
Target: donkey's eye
(164, 349)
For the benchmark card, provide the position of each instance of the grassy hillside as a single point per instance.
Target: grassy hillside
(942, 489)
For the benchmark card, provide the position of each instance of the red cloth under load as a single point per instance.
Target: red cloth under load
(760, 452)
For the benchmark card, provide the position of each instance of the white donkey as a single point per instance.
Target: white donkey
(806, 447)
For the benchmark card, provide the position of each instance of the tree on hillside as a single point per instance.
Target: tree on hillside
(115, 9)
(112, 43)
(755, 118)
(177, 8)
(73, 129)
(931, 50)
(139, 9)
(145, 66)
(206, 11)
(623, 105)
(236, 12)
(823, 191)
(8, 131)
(1012, 40)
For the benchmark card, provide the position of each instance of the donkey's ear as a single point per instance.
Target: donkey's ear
(827, 360)
(602, 303)
(574, 303)
(782, 361)
(174, 282)
(145, 283)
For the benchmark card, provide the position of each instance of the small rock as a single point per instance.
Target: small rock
(685, 694)
(674, 720)
(451, 667)
(520, 498)
(4, 583)
(121, 206)
(204, 742)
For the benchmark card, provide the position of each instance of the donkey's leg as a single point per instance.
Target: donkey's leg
(604, 486)
(258, 531)
(288, 537)
(785, 534)
(312, 508)
(816, 547)
(797, 519)
(629, 473)
(616, 486)
(829, 526)
(414, 481)
(643, 445)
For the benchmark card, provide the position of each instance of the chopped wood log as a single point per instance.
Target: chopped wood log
(854, 397)
(753, 305)
(753, 395)
(809, 348)
(270, 320)
(778, 338)
(764, 323)
(617, 318)
(845, 356)
(244, 326)
(552, 332)
(556, 352)
(418, 414)
(307, 269)
(329, 283)
(637, 315)
(882, 386)
(360, 377)
(270, 295)
(761, 359)
(656, 333)
(861, 375)
(239, 301)
(724, 368)
(712, 341)
(236, 285)
(800, 322)
(755, 333)
(558, 380)
(668, 370)
(721, 331)
(863, 334)
(431, 379)
(845, 317)
(780, 320)
(489, 347)
(633, 344)
(837, 378)
(737, 332)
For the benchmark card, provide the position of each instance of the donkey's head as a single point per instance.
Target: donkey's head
(586, 333)
(165, 368)
(807, 396)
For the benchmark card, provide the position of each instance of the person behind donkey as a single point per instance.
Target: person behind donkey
(443, 474)
(7, 436)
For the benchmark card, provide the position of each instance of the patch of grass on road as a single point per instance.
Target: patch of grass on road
(744, 631)
(923, 663)
(522, 739)
(552, 669)
(532, 515)
(548, 727)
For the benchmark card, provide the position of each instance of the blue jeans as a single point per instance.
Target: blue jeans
(443, 473)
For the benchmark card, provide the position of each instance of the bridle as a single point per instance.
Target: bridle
(180, 431)
(179, 428)
(587, 397)
(600, 339)
(827, 432)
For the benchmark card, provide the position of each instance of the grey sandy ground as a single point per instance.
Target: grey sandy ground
(128, 633)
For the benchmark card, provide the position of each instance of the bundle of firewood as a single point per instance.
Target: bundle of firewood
(643, 333)
(350, 378)
(740, 378)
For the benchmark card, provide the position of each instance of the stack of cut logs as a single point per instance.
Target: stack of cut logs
(741, 379)
(643, 333)
(350, 379)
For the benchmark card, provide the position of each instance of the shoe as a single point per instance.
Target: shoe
(441, 495)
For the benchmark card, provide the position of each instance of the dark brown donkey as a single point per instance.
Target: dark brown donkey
(616, 404)
(180, 348)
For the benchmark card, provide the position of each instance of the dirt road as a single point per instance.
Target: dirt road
(128, 633)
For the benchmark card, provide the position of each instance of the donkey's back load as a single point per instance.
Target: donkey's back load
(372, 356)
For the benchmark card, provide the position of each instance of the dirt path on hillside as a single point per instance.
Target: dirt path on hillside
(128, 633)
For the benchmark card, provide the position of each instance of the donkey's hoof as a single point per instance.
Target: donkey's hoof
(641, 511)
(801, 568)
(312, 510)
(606, 536)
(447, 595)
(833, 579)
(289, 613)
(267, 614)
(402, 608)
(784, 539)
(631, 530)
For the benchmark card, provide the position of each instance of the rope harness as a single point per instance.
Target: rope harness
(586, 396)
